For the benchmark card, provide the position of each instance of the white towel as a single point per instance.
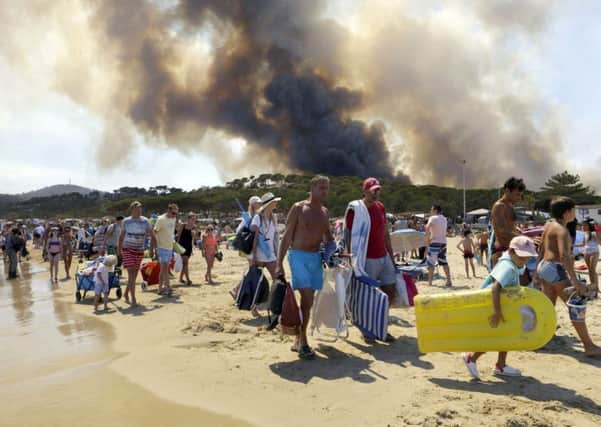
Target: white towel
(359, 236)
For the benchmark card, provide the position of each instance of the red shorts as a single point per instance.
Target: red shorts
(132, 258)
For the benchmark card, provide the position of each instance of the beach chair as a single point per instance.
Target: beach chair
(368, 307)
(253, 289)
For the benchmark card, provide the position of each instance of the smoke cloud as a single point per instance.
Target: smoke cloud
(393, 89)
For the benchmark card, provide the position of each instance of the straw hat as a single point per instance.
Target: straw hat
(268, 199)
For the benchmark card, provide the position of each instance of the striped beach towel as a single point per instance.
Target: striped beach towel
(368, 307)
(359, 236)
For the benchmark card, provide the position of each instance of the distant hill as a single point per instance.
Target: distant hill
(53, 190)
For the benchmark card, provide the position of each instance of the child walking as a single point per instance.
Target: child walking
(101, 281)
(468, 247)
(505, 274)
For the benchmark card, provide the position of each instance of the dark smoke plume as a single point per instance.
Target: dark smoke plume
(259, 85)
(363, 87)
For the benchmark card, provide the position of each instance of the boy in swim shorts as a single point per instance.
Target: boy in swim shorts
(467, 246)
(556, 264)
(506, 273)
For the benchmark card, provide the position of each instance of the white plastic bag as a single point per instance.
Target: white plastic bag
(402, 298)
(179, 263)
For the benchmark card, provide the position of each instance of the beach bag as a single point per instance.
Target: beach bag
(179, 262)
(402, 298)
(291, 318)
(329, 307)
(244, 241)
(276, 299)
(253, 290)
(411, 289)
(368, 307)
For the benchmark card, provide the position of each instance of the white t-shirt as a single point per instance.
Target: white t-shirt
(268, 232)
(102, 271)
(437, 224)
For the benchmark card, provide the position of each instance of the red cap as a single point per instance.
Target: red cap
(371, 184)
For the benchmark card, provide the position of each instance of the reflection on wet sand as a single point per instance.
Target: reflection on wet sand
(54, 365)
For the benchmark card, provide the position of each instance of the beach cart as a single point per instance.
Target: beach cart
(84, 279)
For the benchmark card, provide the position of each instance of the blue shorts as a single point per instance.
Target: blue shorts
(551, 272)
(306, 269)
(437, 254)
(165, 255)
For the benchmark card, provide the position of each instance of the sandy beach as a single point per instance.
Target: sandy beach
(200, 358)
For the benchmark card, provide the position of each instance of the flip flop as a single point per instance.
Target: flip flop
(389, 338)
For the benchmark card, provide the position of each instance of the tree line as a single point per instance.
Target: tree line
(220, 201)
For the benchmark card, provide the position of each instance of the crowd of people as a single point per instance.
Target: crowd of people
(362, 238)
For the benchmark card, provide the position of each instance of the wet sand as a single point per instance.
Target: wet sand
(197, 350)
(55, 365)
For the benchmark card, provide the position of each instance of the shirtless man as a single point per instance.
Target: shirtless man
(307, 226)
(556, 264)
(503, 217)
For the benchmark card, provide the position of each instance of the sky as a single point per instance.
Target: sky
(47, 138)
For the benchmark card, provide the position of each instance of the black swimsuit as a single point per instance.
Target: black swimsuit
(185, 239)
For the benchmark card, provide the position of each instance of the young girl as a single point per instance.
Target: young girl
(591, 253)
(209, 250)
(467, 246)
(54, 246)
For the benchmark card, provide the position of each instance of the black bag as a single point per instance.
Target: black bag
(253, 290)
(244, 241)
(276, 299)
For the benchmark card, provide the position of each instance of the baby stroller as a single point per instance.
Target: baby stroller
(84, 279)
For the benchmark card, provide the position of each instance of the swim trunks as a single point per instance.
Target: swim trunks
(551, 272)
(306, 269)
(468, 254)
(132, 258)
(381, 269)
(437, 254)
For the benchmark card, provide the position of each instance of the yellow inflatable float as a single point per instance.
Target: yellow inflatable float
(459, 321)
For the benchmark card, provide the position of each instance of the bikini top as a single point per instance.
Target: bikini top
(210, 240)
(54, 244)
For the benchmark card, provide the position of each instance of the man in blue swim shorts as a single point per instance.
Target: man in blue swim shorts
(307, 226)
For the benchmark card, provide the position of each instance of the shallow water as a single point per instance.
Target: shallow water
(54, 365)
